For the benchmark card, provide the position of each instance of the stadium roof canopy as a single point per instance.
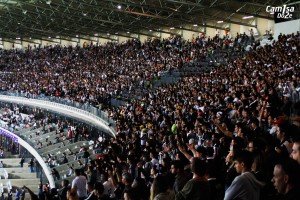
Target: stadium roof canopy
(105, 18)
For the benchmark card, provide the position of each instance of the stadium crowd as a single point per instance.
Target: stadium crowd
(232, 133)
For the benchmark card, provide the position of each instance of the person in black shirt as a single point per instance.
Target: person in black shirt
(62, 193)
(99, 190)
(22, 161)
(286, 178)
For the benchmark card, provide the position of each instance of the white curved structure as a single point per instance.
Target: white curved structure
(70, 111)
(33, 152)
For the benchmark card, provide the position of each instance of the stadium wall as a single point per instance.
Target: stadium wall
(286, 27)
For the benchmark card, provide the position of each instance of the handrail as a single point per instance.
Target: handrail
(70, 111)
(64, 101)
(33, 152)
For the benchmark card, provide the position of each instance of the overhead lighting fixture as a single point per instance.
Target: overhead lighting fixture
(18, 38)
(29, 38)
(108, 34)
(219, 22)
(49, 37)
(96, 34)
(172, 28)
(77, 36)
(48, 2)
(57, 36)
(19, 23)
(150, 30)
(248, 17)
(195, 25)
(119, 7)
(84, 14)
(116, 33)
(24, 12)
(128, 32)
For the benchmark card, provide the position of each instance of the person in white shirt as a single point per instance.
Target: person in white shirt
(79, 184)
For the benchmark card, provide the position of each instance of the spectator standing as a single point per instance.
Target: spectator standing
(79, 184)
(18, 194)
(91, 192)
(86, 155)
(23, 193)
(22, 161)
(31, 165)
(55, 174)
(92, 175)
(181, 178)
(286, 179)
(244, 186)
(296, 151)
(9, 196)
(62, 193)
(198, 187)
(99, 190)
(160, 189)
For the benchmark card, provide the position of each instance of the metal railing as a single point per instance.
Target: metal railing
(86, 107)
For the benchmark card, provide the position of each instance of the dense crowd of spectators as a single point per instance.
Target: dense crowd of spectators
(95, 73)
(232, 133)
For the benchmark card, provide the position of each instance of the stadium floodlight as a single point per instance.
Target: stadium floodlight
(219, 22)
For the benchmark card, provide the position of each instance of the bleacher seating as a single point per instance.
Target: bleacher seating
(12, 175)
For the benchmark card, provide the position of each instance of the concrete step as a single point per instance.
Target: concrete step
(17, 170)
(22, 175)
(21, 182)
(53, 149)
(11, 162)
